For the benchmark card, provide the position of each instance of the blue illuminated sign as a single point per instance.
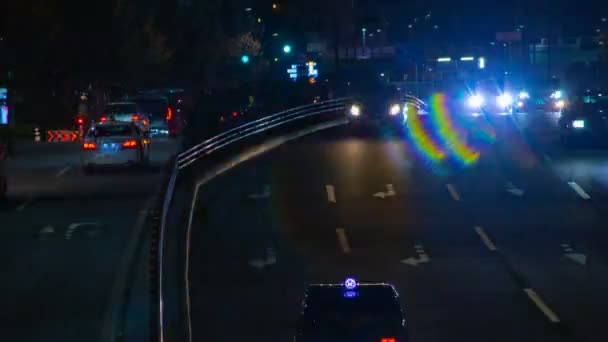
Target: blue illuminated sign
(350, 283)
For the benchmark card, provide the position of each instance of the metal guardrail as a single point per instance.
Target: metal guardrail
(215, 143)
(254, 127)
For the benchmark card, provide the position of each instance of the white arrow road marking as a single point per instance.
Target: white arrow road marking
(512, 189)
(271, 258)
(264, 194)
(535, 298)
(455, 195)
(331, 193)
(343, 240)
(46, 231)
(486, 239)
(571, 254)
(422, 258)
(72, 228)
(577, 188)
(390, 191)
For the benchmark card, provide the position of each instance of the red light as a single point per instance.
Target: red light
(89, 146)
(130, 144)
(235, 114)
(103, 119)
(169, 113)
(135, 117)
(388, 339)
(80, 121)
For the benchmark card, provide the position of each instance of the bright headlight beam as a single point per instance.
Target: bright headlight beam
(560, 104)
(475, 101)
(524, 95)
(504, 100)
(395, 109)
(578, 123)
(354, 110)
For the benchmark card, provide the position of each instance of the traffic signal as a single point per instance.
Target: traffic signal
(244, 59)
(287, 48)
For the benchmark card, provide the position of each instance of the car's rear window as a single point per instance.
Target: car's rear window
(330, 309)
(129, 108)
(110, 131)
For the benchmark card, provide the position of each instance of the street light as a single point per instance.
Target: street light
(287, 48)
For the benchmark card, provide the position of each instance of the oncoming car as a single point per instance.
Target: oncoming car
(585, 120)
(114, 143)
(351, 311)
(375, 103)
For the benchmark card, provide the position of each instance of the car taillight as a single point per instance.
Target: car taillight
(135, 117)
(169, 113)
(129, 144)
(388, 339)
(80, 121)
(235, 114)
(103, 119)
(89, 146)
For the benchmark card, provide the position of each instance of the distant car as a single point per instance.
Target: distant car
(3, 171)
(487, 97)
(375, 103)
(162, 116)
(114, 143)
(351, 311)
(585, 120)
(126, 112)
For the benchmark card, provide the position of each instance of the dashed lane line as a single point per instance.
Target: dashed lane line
(577, 188)
(542, 306)
(331, 193)
(486, 239)
(453, 192)
(343, 240)
(63, 171)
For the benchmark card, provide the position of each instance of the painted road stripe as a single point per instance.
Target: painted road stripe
(577, 188)
(453, 192)
(343, 240)
(63, 171)
(486, 239)
(331, 193)
(25, 204)
(534, 297)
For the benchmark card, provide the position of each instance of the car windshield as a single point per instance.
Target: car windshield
(190, 170)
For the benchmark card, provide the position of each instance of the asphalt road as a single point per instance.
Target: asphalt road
(509, 247)
(64, 237)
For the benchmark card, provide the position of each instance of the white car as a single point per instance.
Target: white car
(114, 143)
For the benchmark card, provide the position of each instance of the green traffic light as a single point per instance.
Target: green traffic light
(244, 59)
(287, 48)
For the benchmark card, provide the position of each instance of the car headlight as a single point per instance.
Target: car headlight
(504, 100)
(524, 95)
(558, 94)
(395, 109)
(520, 104)
(475, 101)
(355, 110)
(560, 104)
(578, 123)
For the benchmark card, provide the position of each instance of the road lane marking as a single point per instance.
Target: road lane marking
(63, 171)
(343, 240)
(25, 204)
(115, 309)
(486, 239)
(453, 192)
(331, 193)
(535, 298)
(577, 188)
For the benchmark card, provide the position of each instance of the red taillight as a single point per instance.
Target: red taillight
(169, 113)
(235, 114)
(388, 339)
(103, 119)
(135, 117)
(80, 121)
(89, 146)
(129, 144)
